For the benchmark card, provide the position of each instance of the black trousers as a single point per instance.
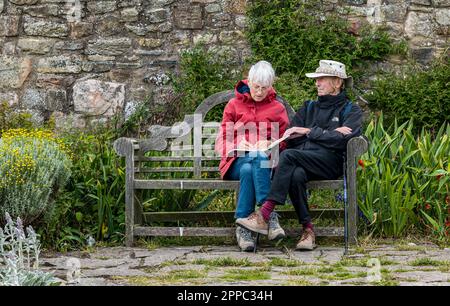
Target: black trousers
(295, 168)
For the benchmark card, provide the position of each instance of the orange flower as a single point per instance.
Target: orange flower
(447, 223)
(438, 177)
(427, 206)
(361, 163)
(447, 200)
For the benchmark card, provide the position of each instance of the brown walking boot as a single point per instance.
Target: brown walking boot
(255, 222)
(307, 241)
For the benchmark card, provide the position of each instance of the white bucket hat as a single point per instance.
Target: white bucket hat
(332, 68)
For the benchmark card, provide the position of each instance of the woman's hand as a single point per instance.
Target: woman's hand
(296, 131)
(262, 145)
(344, 130)
(245, 145)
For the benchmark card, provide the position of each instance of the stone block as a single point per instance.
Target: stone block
(129, 14)
(108, 25)
(111, 46)
(231, 37)
(33, 99)
(56, 100)
(97, 98)
(81, 29)
(23, 2)
(60, 64)
(213, 8)
(443, 17)
(188, 17)
(157, 15)
(43, 10)
(9, 97)
(356, 2)
(41, 27)
(441, 3)
(418, 24)
(35, 45)
(101, 7)
(423, 55)
(235, 6)
(2, 3)
(9, 25)
(14, 71)
(205, 38)
(240, 21)
(394, 12)
(221, 20)
(421, 2)
(150, 42)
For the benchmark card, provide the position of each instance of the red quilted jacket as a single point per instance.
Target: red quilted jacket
(244, 117)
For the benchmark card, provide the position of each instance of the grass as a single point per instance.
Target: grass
(225, 262)
(425, 261)
(299, 282)
(246, 275)
(281, 262)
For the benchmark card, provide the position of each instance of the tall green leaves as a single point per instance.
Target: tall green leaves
(404, 180)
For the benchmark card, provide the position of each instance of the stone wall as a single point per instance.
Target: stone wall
(84, 59)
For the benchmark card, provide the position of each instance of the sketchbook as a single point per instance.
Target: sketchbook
(232, 152)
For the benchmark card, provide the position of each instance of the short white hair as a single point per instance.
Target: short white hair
(262, 73)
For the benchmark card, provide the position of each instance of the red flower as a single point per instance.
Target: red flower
(447, 223)
(361, 163)
(438, 177)
(447, 200)
(427, 206)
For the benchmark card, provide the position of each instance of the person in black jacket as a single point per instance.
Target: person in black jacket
(318, 136)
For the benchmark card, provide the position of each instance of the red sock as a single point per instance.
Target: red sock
(308, 225)
(267, 208)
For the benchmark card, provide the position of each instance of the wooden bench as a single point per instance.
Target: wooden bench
(193, 142)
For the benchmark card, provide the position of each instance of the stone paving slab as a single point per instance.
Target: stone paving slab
(270, 266)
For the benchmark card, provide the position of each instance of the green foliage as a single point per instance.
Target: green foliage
(403, 181)
(418, 94)
(10, 119)
(33, 167)
(295, 34)
(19, 252)
(92, 204)
(203, 73)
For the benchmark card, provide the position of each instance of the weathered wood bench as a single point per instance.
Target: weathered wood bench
(193, 141)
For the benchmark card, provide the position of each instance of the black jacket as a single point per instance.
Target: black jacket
(323, 117)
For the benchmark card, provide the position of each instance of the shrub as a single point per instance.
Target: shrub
(418, 94)
(34, 165)
(295, 34)
(202, 74)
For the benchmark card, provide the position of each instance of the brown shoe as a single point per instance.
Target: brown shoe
(307, 241)
(255, 223)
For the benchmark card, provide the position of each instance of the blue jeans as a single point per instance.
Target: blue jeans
(254, 179)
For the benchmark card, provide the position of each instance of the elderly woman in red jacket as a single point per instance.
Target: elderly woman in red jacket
(251, 120)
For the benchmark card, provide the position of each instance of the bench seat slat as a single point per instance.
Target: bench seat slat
(217, 184)
(174, 169)
(162, 216)
(225, 231)
(172, 158)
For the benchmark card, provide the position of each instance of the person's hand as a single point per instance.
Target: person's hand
(262, 144)
(296, 131)
(244, 145)
(344, 130)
